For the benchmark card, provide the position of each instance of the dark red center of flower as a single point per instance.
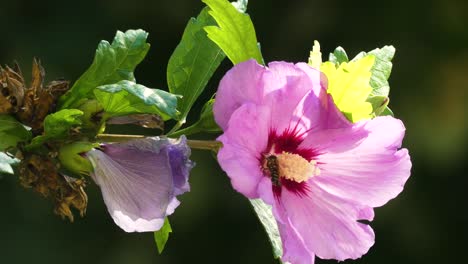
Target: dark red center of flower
(287, 163)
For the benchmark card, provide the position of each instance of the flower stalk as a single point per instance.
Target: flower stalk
(194, 144)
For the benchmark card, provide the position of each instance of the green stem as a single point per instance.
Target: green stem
(204, 144)
(176, 127)
(185, 131)
(195, 144)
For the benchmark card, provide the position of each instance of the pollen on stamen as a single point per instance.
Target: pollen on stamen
(294, 167)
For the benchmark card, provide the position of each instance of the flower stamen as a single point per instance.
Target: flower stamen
(294, 167)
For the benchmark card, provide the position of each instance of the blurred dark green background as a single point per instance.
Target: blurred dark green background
(427, 223)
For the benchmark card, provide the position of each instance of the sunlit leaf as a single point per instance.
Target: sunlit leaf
(265, 215)
(162, 235)
(112, 63)
(193, 62)
(315, 57)
(235, 33)
(241, 5)
(380, 70)
(126, 97)
(5, 163)
(380, 73)
(349, 86)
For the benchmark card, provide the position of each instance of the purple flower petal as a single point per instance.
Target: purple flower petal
(140, 179)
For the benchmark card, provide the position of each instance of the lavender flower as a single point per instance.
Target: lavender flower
(140, 180)
(286, 142)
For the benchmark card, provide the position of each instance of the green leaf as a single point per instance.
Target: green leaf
(381, 69)
(5, 163)
(235, 33)
(206, 123)
(265, 215)
(11, 132)
(112, 63)
(338, 56)
(57, 126)
(162, 235)
(380, 73)
(379, 103)
(193, 63)
(387, 112)
(126, 97)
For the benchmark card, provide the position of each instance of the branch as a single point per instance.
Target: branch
(195, 144)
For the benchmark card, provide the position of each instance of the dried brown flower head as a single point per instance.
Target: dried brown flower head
(41, 174)
(30, 105)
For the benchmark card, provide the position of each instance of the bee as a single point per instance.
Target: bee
(271, 165)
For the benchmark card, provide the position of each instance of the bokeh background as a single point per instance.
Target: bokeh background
(427, 223)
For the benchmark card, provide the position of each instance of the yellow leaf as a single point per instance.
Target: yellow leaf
(315, 57)
(349, 86)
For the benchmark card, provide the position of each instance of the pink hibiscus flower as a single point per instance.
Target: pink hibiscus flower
(286, 142)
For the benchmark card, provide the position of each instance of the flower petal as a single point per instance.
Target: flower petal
(243, 142)
(178, 153)
(241, 84)
(327, 224)
(290, 84)
(364, 164)
(294, 249)
(282, 84)
(139, 182)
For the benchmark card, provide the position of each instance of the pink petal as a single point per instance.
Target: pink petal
(288, 84)
(303, 104)
(281, 85)
(294, 247)
(241, 84)
(327, 224)
(364, 164)
(243, 142)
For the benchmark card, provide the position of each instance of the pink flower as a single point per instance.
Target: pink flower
(286, 142)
